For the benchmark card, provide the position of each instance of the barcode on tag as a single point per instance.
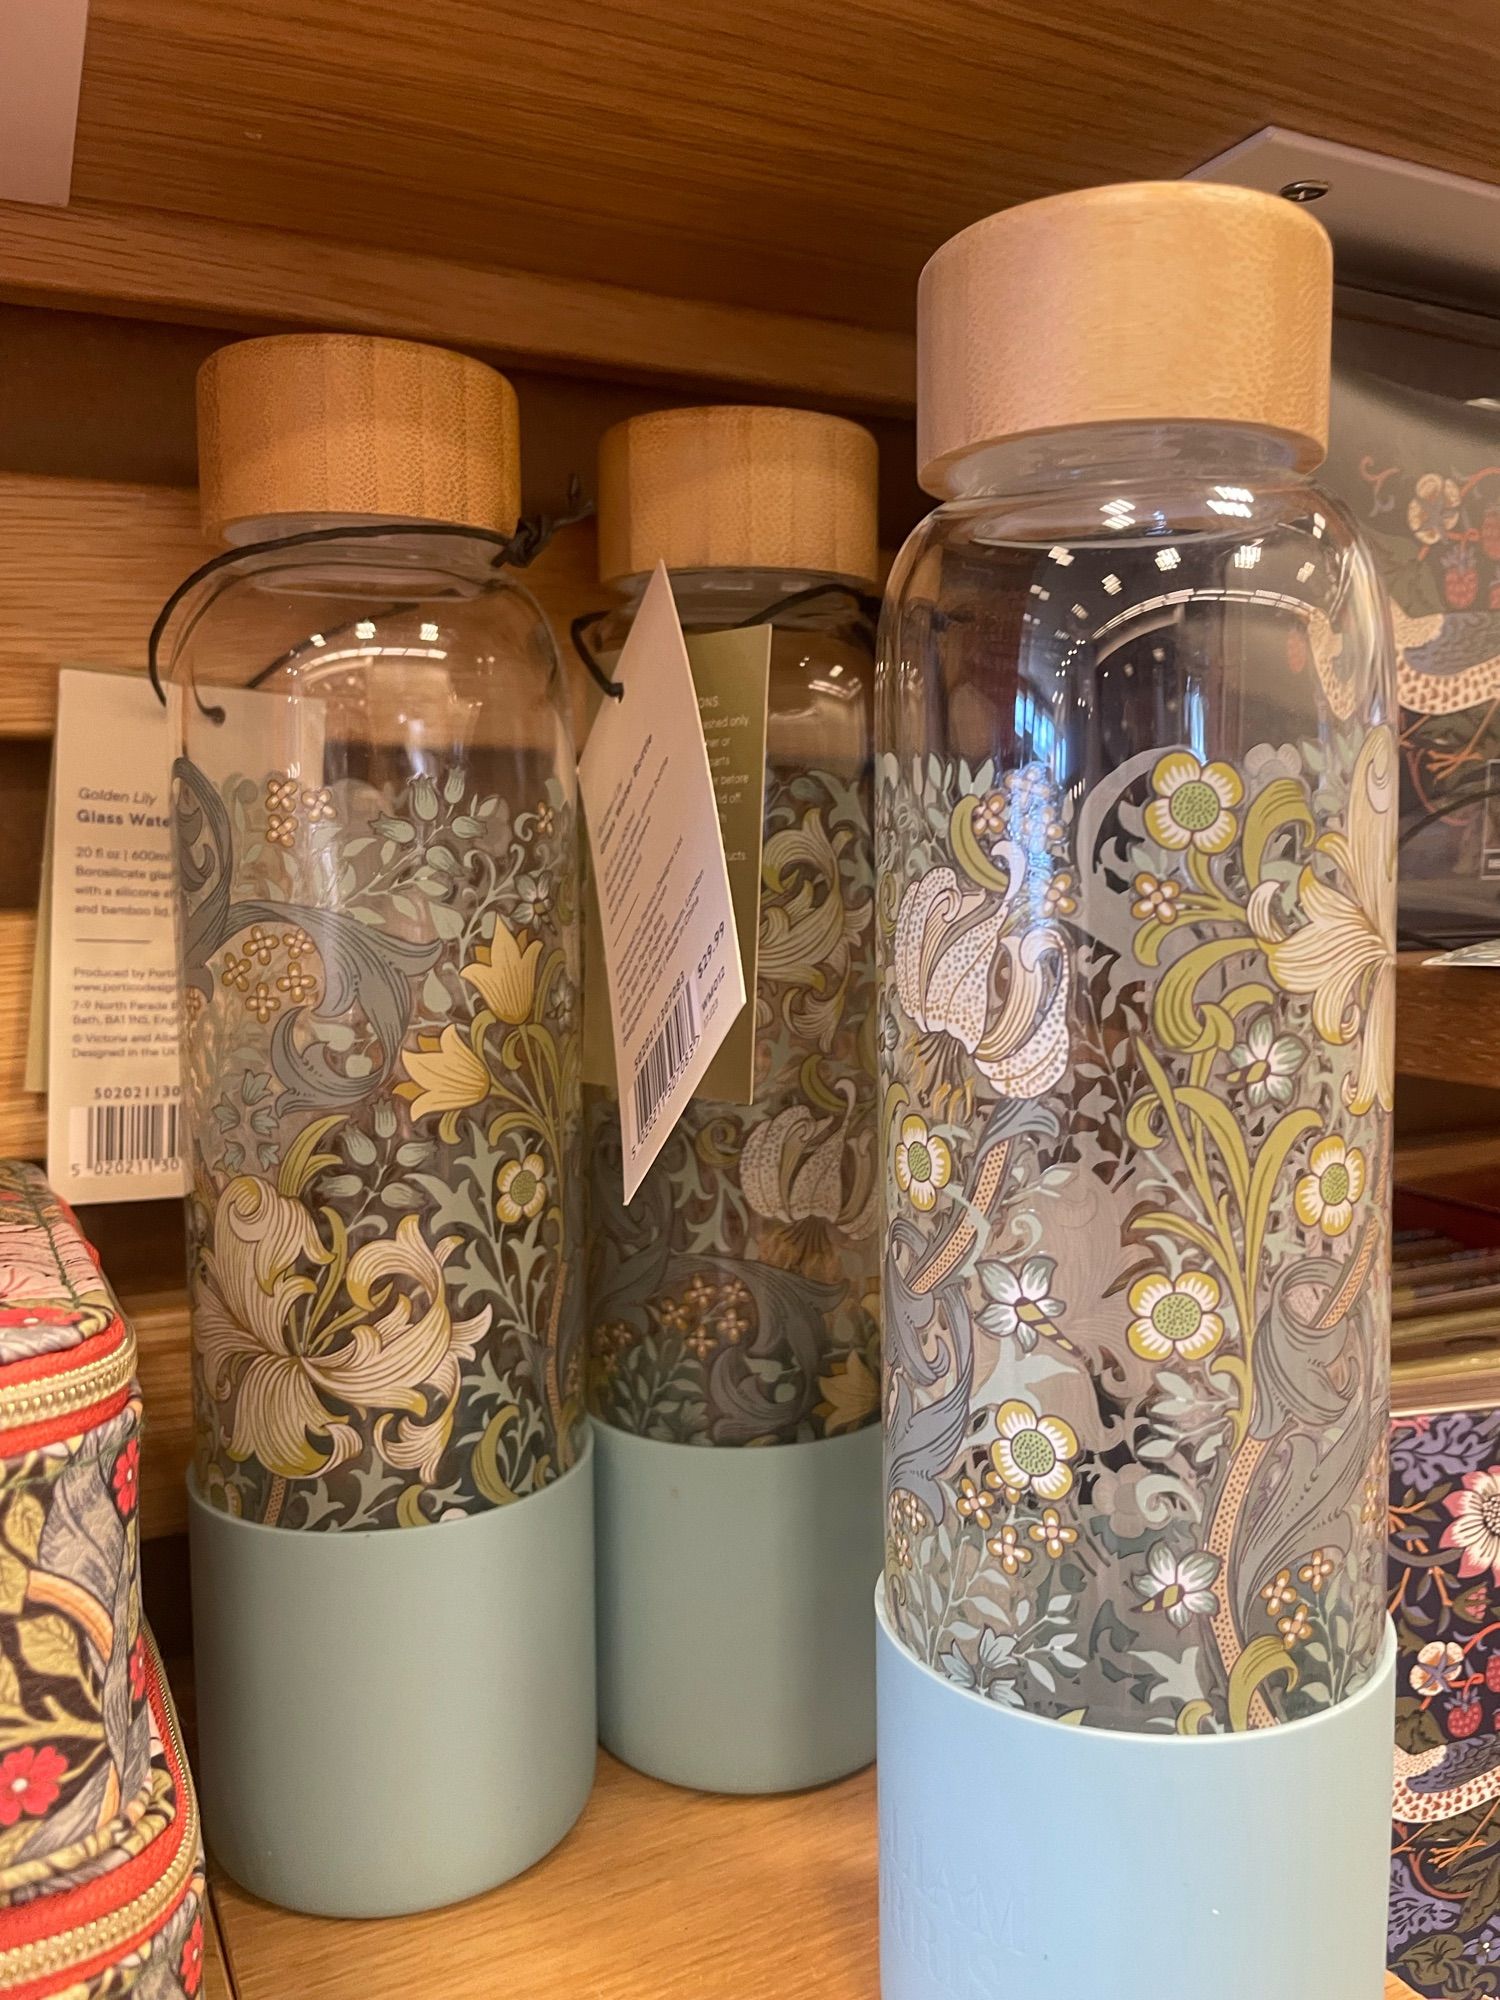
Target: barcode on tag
(666, 1058)
(121, 1138)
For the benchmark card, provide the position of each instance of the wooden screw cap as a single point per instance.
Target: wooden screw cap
(303, 425)
(1159, 301)
(731, 487)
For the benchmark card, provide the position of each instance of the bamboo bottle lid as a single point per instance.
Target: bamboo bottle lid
(1158, 301)
(732, 487)
(303, 425)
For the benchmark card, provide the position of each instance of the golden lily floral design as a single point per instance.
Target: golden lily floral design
(1175, 1317)
(1193, 804)
(1136, 1112)
(1032, 1453)
(923, 1163)
(1328, 1195)
(383, 1224)
(734, 1301)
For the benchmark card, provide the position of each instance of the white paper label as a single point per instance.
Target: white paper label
(671, 955)
(113, 1082)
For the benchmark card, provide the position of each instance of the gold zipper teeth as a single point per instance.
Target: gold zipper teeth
(54, 1954)
(31, 1402)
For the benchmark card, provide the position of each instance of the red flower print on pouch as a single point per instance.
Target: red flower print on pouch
(29, 1782)
(1464, 1717)
(191, 1963)
(127, 1480)
(138, 1669)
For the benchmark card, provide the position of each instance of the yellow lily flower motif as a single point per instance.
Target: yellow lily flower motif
(249, 1334)
(1344, 955)
(503, 974)
(446, 1076)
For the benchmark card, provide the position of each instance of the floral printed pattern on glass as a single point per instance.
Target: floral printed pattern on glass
(1132, 1324)
(734, 1301)
(382, 1075)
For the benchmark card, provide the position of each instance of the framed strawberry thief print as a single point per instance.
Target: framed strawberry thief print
(1445, 1600)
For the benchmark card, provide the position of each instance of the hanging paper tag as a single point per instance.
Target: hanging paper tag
(107, 997)
(671, 953)
(731, 673)
(113, 1082)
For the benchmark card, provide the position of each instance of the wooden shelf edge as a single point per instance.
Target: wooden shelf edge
(1447, 1021)
(154, 265)
(656, 1894)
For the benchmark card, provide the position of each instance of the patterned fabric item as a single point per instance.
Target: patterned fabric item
(133, 1923)
(1445, 1599)
(100, 1862)
(1421, 475)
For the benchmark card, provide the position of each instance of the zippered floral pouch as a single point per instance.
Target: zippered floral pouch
(99, 1845)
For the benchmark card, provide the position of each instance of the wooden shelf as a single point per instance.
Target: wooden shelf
(1448, 1021)
(182, 268)
(805, 158)
(657, 1894)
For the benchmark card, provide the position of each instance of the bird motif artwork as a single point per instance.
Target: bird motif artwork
(1421, 475)
(1449, 1779)
(1446, 660)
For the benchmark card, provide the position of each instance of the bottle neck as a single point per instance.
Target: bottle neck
(300, 551)
(715, 599)
(1126, 454)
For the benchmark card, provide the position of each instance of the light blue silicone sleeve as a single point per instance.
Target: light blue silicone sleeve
(390, 1721)
(736, 1639)
(1028, 1857)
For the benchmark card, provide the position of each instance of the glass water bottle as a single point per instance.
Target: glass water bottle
(376, 836)
(1135, 801)
(733, 1303)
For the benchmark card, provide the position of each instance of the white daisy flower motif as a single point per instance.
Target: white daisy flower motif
(1175, 1317)
(1475, 1526)
(923, 1163)
(1020, 1303)
(1325, 1195)
(1178, 1585)
(1193, 802)
(1264, 1063)
(1438, 1668)
(1032, 1452)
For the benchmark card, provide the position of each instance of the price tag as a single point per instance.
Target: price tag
(113, 1080)
(671, 951)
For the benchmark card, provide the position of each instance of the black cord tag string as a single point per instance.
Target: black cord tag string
(516, 551)
(867, 606)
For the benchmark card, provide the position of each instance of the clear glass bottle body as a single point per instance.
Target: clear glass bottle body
(734, 1302)
(376, 835)
(1135, 813)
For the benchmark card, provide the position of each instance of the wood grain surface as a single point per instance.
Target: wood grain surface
(1448, 1021)
(85, 565)
(804, 158)
(180, 267)
(216, 1980)
(165, 1373)
(657, 1894)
